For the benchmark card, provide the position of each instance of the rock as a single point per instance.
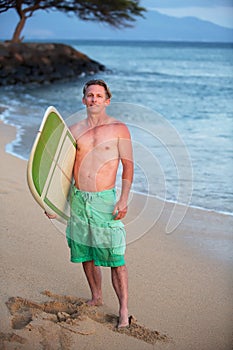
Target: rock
(62, 316)
(43, 63)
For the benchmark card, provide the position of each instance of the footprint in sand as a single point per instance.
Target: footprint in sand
(68, 312)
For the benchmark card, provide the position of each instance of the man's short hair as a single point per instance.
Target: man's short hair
(98, 82)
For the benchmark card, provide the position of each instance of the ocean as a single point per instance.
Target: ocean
(176, 99)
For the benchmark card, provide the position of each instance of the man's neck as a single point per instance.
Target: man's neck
(97, 119)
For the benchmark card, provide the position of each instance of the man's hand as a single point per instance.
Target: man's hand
(50, 216)
(120, 210)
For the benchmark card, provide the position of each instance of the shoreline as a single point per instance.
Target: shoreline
(18, 138)
(183, 283)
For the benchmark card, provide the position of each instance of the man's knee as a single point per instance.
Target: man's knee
(121, 268)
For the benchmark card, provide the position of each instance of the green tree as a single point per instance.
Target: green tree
(116, 13)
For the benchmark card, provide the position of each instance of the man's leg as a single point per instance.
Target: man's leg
(120, 284)
(94, 278)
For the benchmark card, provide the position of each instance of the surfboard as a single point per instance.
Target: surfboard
(50, 165)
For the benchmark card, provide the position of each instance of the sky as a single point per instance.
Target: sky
(55, 25)
(217, 11)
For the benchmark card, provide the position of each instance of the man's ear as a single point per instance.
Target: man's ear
(107, 102)
(83, 101)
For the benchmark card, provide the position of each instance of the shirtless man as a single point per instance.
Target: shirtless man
(95, 233)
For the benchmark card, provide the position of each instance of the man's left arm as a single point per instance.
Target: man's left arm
(126, 156)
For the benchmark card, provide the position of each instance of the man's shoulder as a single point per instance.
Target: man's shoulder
(117, 122)
(78, 127)
(120, 127)
(79, 124)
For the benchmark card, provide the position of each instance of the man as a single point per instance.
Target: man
(95, 234)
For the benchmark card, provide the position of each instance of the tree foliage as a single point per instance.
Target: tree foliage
(116, 13)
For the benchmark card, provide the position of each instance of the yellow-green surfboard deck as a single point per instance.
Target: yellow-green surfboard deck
(50, 166)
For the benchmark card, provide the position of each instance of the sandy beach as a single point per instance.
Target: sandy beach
(180, 284)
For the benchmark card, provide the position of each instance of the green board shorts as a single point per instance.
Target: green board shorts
(92, 233)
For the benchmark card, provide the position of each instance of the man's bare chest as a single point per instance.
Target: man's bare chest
(98, 139)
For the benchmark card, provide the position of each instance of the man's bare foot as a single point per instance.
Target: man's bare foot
(123, 320)
(123, 324)
(95, 302)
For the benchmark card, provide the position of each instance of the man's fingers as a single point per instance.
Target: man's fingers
(121, 214)
(50, 216)
(115, 210)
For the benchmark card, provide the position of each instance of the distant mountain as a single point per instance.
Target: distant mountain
(157, 26)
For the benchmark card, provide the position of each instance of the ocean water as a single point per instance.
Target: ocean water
(176, 99)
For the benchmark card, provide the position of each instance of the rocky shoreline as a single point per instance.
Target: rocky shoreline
(43, 63)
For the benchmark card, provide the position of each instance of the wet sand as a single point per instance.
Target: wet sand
(180, 285)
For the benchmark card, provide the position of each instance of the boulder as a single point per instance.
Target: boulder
(25, 63)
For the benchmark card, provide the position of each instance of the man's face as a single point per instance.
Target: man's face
(95, 98)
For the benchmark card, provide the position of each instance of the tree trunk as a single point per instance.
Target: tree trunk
(16, 36)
